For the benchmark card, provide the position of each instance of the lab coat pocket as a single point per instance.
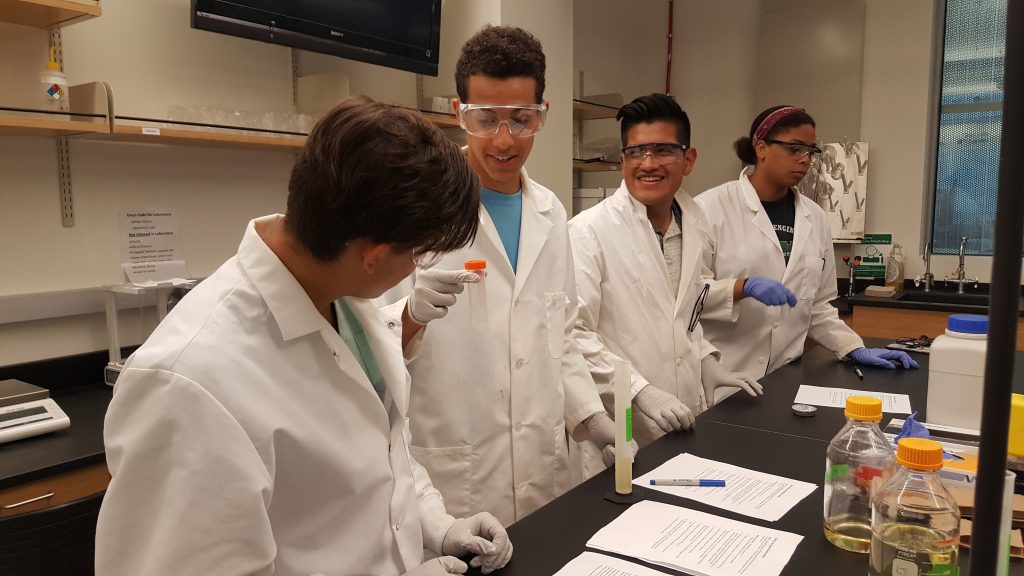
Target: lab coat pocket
(450, 471)
(811, 280)
(561, 464)
(554, 319)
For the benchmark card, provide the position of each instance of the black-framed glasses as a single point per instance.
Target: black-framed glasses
(796, 149)
(698, 308)
(660, 152)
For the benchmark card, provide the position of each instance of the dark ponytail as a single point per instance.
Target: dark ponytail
(744, 146)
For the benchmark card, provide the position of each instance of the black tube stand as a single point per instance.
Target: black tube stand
(1003, 310)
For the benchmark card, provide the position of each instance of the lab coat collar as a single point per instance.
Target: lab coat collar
(759, 219)
(652, 256)
(286, 299)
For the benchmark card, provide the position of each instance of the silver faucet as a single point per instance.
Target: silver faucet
(927, 278)
(961, 274)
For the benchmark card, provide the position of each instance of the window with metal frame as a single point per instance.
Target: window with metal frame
(970, 126)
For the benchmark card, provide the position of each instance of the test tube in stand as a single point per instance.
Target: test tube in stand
(623, 437)
(477, 294)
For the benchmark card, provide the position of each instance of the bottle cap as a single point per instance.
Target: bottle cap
(866, 408)
(475, 265)
(968, 323)
(919, 454)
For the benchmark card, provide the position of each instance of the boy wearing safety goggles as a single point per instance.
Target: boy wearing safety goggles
(491, 404)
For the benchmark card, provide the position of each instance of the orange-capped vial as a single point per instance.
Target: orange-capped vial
(477, 294)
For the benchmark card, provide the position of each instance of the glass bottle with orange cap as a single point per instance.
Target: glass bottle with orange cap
(915, 521)
(859, 460)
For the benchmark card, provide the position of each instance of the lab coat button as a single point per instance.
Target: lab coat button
(519, 363)
(761, 359)
(776, 324)
(391, 324)
(679, 361)
(518, 427)
(396, 526)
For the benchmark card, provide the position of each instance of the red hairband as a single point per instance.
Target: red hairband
(771, 120)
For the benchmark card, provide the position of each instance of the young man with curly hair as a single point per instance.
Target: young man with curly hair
(491, 404)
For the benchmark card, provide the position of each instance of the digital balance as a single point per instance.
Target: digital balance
(27, 410)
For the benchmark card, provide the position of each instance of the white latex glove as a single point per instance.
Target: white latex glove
(713, 376)
(601, 429)
(435, 292)
(667, 411)
(441, 566)
(480, 534)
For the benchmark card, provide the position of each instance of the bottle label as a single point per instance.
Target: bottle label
(943, 570)
(55, 92)
(629, 424)
(837, 471)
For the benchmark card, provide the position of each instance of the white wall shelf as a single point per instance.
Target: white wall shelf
(47, 13)
(595, 166)
(582, 110)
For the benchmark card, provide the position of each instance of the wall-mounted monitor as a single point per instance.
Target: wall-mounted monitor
(402, 34)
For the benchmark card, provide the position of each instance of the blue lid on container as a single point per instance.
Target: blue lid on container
(968, 323)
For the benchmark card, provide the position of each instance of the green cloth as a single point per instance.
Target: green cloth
(351, 331)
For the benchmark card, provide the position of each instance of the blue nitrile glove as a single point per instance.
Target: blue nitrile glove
(912, 429)
(881, 357)
(768, 291)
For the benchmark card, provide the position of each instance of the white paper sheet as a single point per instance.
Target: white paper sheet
(151, 245)
(749, 492)
(695, 542)
(836, 398)
(593, 564)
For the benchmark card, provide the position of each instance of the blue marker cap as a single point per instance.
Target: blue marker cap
(718, 483)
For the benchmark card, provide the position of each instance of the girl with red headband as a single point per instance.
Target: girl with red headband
(770, 251)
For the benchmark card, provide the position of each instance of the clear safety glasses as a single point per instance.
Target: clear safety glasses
(796, 149)
(485, 120)
(661, 153)
(426, 260)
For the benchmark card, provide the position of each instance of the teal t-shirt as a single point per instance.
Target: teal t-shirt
(506, 210)
(351, 331)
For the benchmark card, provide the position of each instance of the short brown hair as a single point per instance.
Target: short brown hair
(501, 52)
(376, 171)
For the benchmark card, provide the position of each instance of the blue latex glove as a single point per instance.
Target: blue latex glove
(881, 357)
(768, 291)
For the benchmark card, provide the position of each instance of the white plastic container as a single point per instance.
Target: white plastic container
(54, 87)
(956, 372)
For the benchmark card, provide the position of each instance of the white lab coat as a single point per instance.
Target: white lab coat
(490, 408)
(628, 310)
(754, 338)
(245, 438)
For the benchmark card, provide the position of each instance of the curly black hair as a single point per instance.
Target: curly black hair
(501, 52)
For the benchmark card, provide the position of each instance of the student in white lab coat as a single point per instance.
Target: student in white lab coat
(490, 406)
(262, 430)
(770, 252)
(638, 274)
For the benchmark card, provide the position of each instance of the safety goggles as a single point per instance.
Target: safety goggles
(485, 120)
(795, 149)
(661, 153)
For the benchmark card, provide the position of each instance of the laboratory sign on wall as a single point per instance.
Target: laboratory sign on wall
(151, 246)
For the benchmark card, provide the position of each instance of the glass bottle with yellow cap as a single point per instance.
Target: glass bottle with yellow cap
(859, 460)
(915, 521)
